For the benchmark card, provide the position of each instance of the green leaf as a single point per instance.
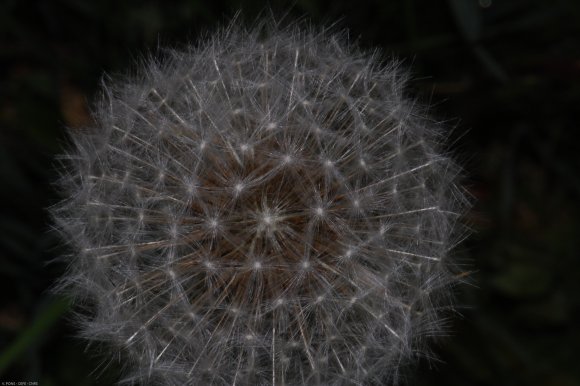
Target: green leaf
(39, 326)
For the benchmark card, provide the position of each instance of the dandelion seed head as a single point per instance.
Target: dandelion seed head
(266, 207)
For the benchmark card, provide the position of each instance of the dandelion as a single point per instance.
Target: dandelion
(260, 209)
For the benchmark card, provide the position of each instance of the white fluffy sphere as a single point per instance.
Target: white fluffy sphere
(260, 209)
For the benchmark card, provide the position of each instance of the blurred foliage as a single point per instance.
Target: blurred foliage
(509, 70)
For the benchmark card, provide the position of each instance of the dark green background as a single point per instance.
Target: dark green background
(504, 73)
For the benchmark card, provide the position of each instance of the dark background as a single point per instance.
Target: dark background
(504, 73)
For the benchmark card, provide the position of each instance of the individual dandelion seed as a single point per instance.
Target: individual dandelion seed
(261, 209)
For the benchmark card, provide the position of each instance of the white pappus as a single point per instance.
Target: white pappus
(264, 208)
